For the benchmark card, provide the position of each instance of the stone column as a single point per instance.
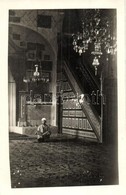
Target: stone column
(110, 120)
(12, 99)
(53, 82)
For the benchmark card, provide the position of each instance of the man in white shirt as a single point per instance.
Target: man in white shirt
(43, 131)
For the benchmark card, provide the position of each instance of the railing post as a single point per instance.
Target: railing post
(101, 94)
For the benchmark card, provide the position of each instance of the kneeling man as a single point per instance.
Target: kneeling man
(43, 131)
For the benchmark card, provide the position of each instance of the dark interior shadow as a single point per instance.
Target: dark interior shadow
(55, 138)
(17, 136)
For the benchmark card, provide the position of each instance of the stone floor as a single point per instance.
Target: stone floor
(62, 161)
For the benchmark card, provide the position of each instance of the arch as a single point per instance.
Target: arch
(54, 53)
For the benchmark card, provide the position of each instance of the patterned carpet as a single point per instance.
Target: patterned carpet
(62, 161)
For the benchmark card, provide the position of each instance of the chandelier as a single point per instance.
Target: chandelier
(98, 30)
(81, 40)
(36, 76)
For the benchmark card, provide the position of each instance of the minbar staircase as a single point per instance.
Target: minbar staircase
(88, 109)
